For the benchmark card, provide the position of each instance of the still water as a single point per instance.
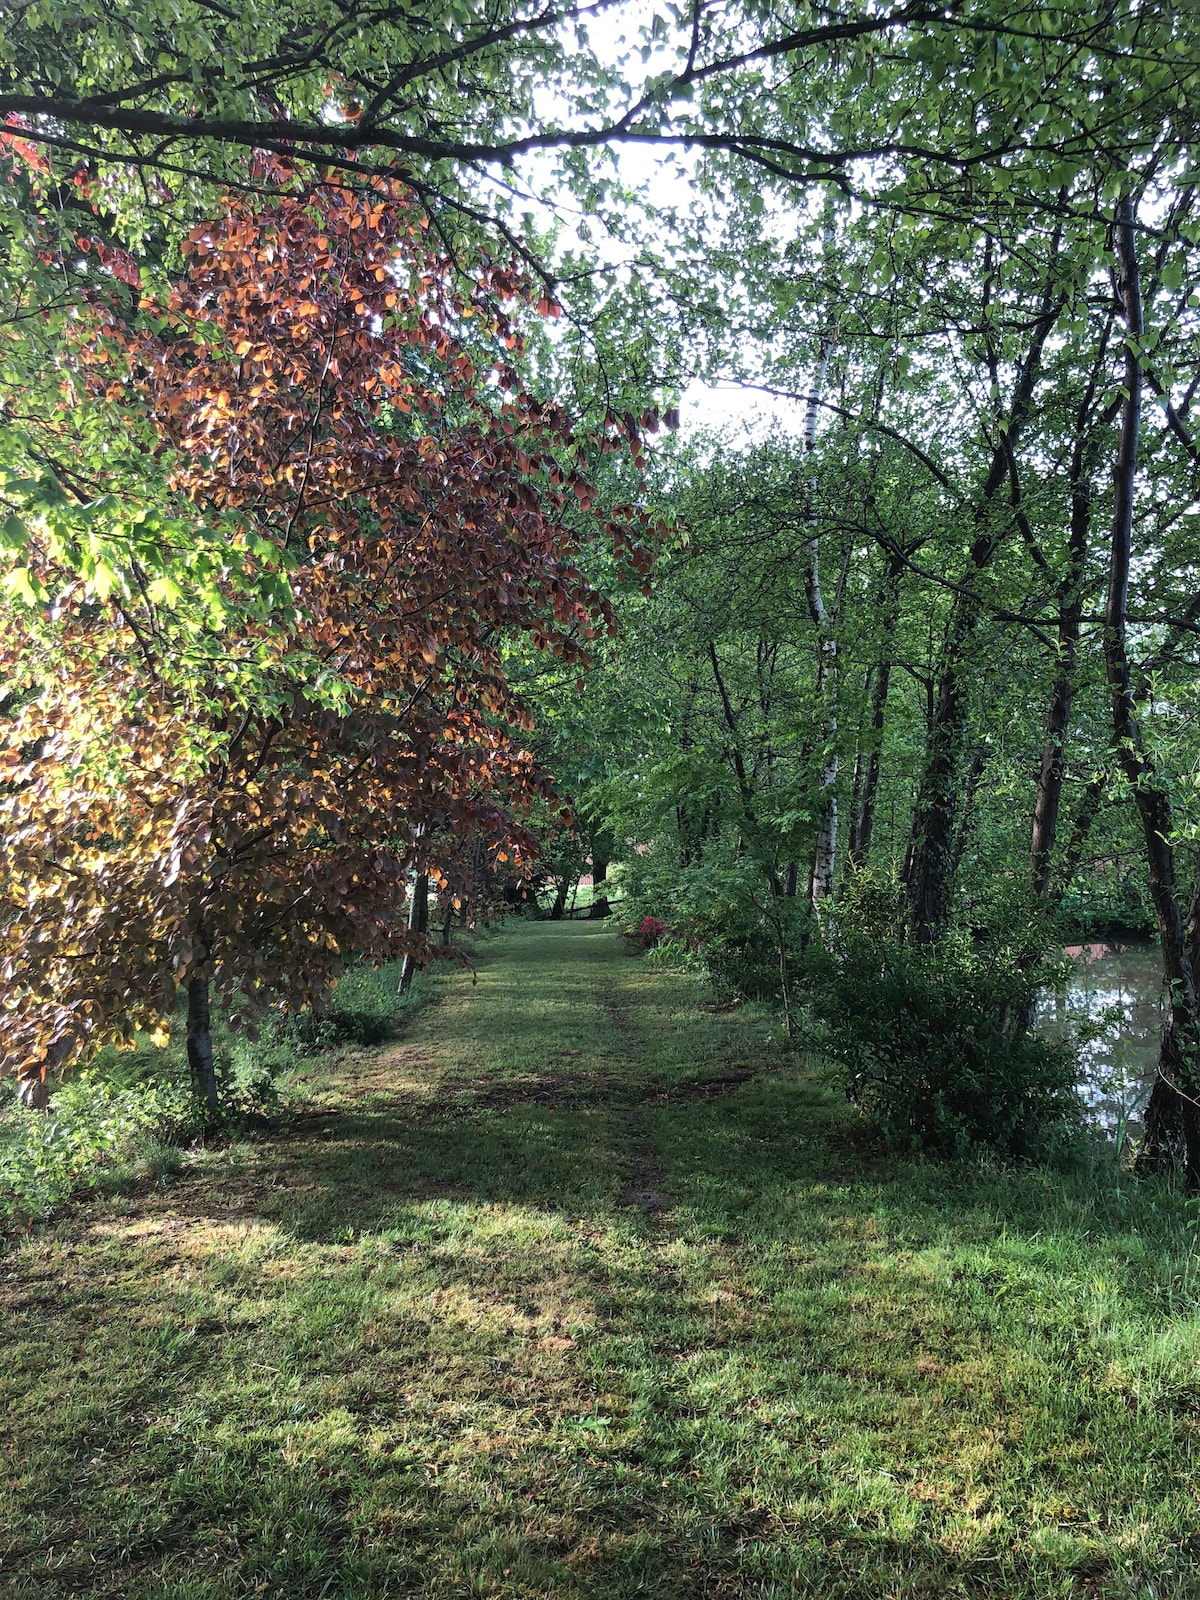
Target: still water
(1121, 987)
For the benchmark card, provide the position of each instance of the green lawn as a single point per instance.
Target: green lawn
(580, 1289)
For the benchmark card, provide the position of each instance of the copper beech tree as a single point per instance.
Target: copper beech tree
(320, 380)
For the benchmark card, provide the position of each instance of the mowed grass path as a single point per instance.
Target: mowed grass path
(579, 1290)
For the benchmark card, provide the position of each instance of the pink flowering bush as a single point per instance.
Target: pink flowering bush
(648, 934)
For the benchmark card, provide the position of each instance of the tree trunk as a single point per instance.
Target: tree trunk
(967, 810)
(561, 890)
(1050, 777)
(1080, 830)
(864, 822)
(856, 784)
(33, 1090)
(1173, 1115)
(1051, 771)
(599, 906)
(927, 879)
(418, 923)
(683, 824)
(864, 819)
(199, 1048)
(825, 855)
(930, 863)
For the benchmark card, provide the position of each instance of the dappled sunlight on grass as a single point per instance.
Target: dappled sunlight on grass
(581, 1290)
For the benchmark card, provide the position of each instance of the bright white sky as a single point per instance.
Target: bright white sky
(737, 414)
(726, 409)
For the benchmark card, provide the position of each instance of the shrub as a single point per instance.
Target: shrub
(95, 1131)
(247, 1073)
(337, 1025)
(364, 1008)
(117, 1120)
(743, 962)
(933, 1040)
(751, 950)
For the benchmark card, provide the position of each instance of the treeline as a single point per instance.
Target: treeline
(931, 662)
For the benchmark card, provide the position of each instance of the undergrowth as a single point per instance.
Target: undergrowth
(129, 1116)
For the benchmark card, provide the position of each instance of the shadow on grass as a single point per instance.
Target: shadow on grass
(418, 1344)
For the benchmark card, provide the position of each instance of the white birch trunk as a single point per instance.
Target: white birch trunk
(825, 854)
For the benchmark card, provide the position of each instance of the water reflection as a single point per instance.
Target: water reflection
(1120, 988)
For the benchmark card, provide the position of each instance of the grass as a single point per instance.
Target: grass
(582, 1289)
(581, 896)
(123, 1120)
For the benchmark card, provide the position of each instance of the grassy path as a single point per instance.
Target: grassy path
(576, 1292)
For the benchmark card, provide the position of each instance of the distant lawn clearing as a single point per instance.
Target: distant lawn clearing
(581, 1289)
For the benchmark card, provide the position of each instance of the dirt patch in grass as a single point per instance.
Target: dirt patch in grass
(643, 1188)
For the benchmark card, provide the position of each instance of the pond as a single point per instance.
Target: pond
(1122, 986)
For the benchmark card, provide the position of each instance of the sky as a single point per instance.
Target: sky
(705, 407)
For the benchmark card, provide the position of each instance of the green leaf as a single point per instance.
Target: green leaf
(24, 585)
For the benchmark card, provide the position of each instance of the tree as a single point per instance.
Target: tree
(164, 90)
(320, 383)
(1173, 1117)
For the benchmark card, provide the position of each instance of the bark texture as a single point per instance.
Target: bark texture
(199, 1047)
(418, 923)
(825, 854)
(1173, 1114)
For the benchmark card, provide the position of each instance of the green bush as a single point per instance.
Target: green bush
(364, 1008)
(932, 1040)
(720, 915)
(247, 1071)
(123, 1117)
(750, 953)
(96, 1132)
